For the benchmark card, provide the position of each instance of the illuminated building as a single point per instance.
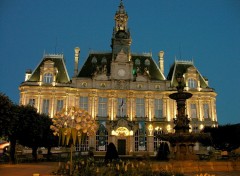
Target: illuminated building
(126, 92)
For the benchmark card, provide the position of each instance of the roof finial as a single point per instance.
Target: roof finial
(121, 7)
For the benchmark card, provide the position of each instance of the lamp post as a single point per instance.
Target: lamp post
(70, 124)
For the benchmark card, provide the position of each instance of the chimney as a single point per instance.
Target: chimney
(77, 51)
(28, 73)
(161, 61)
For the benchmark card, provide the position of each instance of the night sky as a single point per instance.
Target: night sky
(205, 31)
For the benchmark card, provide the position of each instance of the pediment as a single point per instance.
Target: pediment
(123, 123)
(122, 57)
(192, 69)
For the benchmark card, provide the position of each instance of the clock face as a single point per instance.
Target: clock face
(121, 72)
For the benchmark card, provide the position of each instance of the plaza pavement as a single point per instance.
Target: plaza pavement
(28, 169)
(46, 168)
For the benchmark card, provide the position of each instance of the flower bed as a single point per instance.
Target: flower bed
(90, 167)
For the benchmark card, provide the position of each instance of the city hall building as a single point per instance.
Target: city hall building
(125, 92)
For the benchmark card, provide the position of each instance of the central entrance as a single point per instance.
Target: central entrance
(122, 146)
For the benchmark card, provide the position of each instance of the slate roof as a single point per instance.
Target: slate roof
(88, 67)
(181, 67)
(58, 59)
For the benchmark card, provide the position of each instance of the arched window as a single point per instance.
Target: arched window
(48, 78)
(101, 139)
(140, 141)
(192, 83)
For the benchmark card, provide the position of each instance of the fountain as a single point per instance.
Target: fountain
(182, 141)
(182, 121)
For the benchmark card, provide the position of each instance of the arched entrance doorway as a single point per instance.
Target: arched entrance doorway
(123, 139)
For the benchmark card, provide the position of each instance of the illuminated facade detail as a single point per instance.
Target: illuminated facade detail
(126, 92)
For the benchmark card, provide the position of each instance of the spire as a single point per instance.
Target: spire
(121, 7)
(121, 18)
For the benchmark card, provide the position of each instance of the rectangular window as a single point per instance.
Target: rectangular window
(158, 108)
(31, 102)
(83, 103)
(45, 108)
(206, 110)
(193, 111)
(140, 107)
(59, 105)
(102, 107)
(121, 107)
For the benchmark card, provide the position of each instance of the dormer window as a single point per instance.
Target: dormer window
(94, 60)
(192, 83)
(48, 78)
(137, 62)
(104, 61)
(147, 62)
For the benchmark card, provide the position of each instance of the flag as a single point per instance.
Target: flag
(121, 107)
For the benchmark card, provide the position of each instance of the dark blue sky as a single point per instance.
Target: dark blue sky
(205, 31)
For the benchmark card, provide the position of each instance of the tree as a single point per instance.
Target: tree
(225, 137)
(9, 123)
(48, 140)
(35, 130)
(5, 114)
(25, 125)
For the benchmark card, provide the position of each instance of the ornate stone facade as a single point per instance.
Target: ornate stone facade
(127, 93)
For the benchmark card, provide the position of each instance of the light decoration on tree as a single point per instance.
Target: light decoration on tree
(71, 124)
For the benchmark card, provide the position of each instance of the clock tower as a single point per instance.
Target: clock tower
(121, 66)
(121, 39)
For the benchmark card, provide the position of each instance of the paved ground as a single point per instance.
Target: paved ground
(46, 168)
(233, 173)
(28, 169)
